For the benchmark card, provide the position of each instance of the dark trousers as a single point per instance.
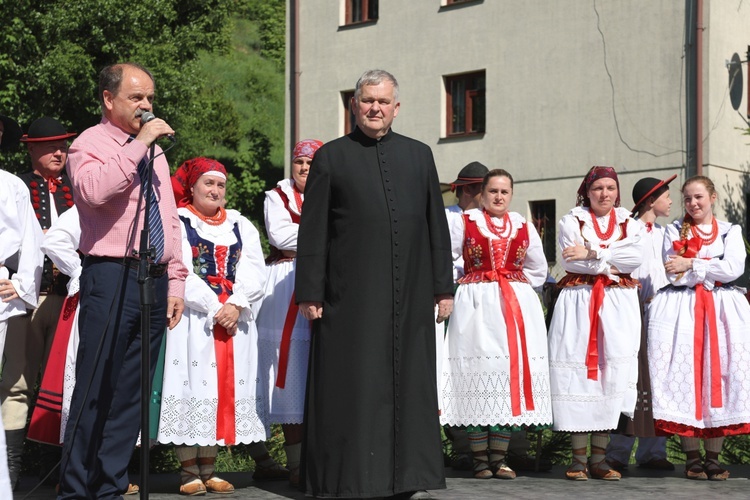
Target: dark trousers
(105, 409)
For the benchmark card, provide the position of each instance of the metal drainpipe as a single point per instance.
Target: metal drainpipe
(699, 89)
(295, 76)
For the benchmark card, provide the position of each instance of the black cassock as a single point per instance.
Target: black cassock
(374, 247)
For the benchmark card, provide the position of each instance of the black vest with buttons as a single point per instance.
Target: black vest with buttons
(52, 280)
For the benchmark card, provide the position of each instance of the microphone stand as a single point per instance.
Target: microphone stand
(147, 295)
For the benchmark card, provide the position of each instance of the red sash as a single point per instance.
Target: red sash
(513, 318)
(286, 340)
(47, 416)
(705, 319)
(597, 299)
(224, 346)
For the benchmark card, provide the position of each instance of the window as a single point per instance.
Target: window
(465, 104)
(544, 220)
(349, 120)
(361, 11)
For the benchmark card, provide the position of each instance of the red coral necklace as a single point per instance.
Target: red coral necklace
(501, 232)
(603, 236)
(214, 220)
(707, 237)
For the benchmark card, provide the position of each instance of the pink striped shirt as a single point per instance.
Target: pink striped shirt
(103, 167)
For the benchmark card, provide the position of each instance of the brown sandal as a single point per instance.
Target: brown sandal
(502, 471)
(482, 468)
(602, 470)
(714, 471)
(694, 470)
(577, 471)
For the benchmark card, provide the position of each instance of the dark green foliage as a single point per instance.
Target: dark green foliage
(217, 64)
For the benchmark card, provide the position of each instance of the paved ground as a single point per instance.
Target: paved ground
(636, 484)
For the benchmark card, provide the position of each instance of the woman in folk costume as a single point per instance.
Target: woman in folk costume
(495, 368)
(211, 395)
(699, 334)
(596, 327)
(284, 334)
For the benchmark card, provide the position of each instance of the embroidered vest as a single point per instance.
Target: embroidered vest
(484, 256)
(53, 281)
(205, 262)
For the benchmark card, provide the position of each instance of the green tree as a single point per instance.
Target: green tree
(218, 67)
(54, 50)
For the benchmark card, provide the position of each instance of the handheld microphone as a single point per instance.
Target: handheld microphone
(147, 116)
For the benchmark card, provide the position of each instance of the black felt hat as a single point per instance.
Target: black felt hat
(646, 187)
(46, 129)
(11, 133)
(473, 173)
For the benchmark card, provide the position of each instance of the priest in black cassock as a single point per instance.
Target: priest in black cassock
(373, 261)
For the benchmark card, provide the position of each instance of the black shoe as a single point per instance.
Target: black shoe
(412, 495)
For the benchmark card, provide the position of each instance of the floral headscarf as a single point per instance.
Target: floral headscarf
(306, 147)
(189, 172)
(594, 174)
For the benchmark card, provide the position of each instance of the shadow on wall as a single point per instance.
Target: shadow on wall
(735, 206)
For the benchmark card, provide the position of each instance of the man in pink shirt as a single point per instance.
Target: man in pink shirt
(106, 164)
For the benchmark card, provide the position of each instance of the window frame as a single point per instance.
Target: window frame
(349, 120)
(470, 95)
(366, 9)
(547, 229)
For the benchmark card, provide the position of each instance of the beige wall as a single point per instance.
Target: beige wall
(554, 105)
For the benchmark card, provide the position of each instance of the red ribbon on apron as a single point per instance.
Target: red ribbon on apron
(224, 346)
(592, 352)
(705, 311)
(513, 318)
(286, 339)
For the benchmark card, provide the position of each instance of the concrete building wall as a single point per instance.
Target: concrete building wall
(727, 150)
(568, 85)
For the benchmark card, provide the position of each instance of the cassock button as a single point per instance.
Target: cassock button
(393, 209)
